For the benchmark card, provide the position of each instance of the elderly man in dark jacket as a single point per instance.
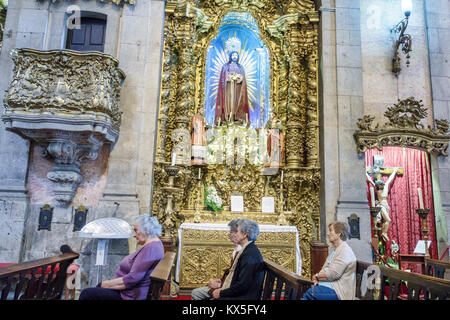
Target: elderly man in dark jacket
(246, 276)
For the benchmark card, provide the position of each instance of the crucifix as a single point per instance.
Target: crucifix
(378, 169)
(373, 175)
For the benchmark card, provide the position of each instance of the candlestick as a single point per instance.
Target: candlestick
(423, 213)
(419, 191)
(372, 197)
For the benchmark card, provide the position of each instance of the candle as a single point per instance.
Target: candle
(174, 158)
(372, 197)
(199, 173)
(419, 190)
(282, 176)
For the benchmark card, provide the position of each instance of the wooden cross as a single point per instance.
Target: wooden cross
(378, 169)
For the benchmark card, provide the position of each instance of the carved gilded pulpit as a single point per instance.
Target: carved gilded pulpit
(277, 51)
(67, 102)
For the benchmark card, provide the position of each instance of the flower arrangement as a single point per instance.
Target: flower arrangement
(212, 199)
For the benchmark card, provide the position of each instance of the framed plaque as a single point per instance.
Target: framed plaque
(353, 222)
(237, 203)
(268, 205)
(79, 219)
(45, 218)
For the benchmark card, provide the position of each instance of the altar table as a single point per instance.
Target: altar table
(204, 250)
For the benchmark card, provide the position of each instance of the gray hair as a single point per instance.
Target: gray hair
(149, 224)
(250, 227)
(233, 224)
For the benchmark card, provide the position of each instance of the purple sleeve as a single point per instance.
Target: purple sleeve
(150, 255)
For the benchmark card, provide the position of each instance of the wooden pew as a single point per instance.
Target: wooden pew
(417, 286)
(436, 268)
(280, 282)
(363, 290)
(42, 279)
(160, 278)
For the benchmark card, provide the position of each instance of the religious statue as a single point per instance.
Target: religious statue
(394, 250)
(382, 191)
(275, 143)
(198, 135)
(232, 96)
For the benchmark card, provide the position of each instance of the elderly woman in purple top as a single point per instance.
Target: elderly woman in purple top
(132, 281)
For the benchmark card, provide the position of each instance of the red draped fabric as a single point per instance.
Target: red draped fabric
(403, 197)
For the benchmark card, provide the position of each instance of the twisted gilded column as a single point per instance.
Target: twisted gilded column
(295, 122)
(312, 124)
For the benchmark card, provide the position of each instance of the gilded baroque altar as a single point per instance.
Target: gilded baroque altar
(204, 251)
(288, 31)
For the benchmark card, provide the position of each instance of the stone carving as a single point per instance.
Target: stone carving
(68, 104)
(59, 82)
(404, 129)
(406, 114)
(66, 184)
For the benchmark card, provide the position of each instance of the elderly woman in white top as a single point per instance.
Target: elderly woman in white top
(336, 280)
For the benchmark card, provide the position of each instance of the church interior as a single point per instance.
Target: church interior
(293, 114)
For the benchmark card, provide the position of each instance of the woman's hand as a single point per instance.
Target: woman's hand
(214, 283)
(216, 293)
(115, 284)
(315, 279)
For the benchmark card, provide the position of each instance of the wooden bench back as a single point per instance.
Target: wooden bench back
(436, 268)
(160, 276)
(417, 286)
(364, 291)
(42, 279)
(281, 282)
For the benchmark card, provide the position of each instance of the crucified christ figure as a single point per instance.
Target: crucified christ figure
(382, 190)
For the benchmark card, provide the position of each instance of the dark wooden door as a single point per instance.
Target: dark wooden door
(90, 37)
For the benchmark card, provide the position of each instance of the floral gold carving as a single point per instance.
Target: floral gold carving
(403, 129)
(205, 254)
(290, 31)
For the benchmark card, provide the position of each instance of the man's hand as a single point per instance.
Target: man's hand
(216, 293)
(214, 283)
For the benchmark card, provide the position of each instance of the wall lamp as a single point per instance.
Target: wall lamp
(403, 40)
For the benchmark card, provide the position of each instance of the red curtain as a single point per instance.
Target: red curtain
(403, 197)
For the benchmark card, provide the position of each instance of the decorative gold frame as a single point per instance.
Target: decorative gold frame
(290, 32)
(403, 129)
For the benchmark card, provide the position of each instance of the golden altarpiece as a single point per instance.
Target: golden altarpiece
(289, 30)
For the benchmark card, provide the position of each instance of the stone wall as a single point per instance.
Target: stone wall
(357, 50)
(122, 175)
(342, 72)
(438, 35)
